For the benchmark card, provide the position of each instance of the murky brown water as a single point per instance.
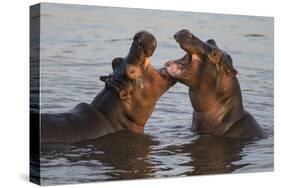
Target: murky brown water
(77, 46)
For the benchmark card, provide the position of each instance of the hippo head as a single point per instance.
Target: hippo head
(202, 64)
(135, 82)
(129, 72)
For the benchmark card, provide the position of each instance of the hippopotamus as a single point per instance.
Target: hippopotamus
(214, 89)
(125, 103)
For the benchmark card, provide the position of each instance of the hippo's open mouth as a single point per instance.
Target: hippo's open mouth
(192, 46)
(186, 41)
(174, 68)
(186, 59)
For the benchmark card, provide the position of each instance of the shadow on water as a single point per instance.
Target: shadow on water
(212, 155)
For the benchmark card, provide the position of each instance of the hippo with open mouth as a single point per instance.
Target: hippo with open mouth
(126, 102)
(214, 90)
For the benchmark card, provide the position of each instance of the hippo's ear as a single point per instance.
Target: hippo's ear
(125, 94)
(116, 62)
(228, 66)
(212, 42)
(228, 59)
(215, 56)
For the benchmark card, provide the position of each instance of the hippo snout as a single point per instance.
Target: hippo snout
(146, 41)
(183, 34)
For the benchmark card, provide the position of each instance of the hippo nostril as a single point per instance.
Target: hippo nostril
(191, 36)
(139, 41)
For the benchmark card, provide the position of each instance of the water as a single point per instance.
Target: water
(77, 46)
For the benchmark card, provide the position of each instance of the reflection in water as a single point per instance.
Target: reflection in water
(212, 155)
(128, 156)
(125, 153)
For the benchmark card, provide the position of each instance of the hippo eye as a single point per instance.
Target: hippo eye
(214, 54)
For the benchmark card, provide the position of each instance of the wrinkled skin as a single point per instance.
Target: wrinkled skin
(214, 90)
(126, 102)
